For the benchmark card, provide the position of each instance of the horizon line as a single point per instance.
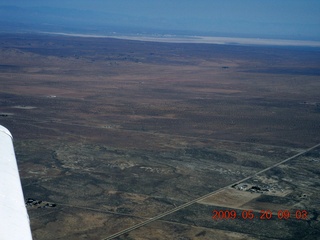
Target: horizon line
(168, 38)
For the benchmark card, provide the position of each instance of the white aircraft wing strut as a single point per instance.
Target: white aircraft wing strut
(14, 219)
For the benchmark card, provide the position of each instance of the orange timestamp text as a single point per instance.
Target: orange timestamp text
(262, 214)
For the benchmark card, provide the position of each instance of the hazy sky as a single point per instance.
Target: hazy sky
(273, 18)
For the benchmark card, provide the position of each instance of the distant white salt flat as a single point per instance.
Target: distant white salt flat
(203, 39)
(225, 41)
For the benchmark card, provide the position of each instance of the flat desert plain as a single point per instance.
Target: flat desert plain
(123, 139)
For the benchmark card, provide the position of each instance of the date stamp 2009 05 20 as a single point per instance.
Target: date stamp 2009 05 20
(262, 215)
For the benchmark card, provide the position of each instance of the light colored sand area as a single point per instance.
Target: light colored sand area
(24, 107)
(233, 198)
(230, 198)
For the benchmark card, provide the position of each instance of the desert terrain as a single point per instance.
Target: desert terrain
(111, 133)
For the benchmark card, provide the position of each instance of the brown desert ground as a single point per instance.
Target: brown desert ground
(110, 133)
